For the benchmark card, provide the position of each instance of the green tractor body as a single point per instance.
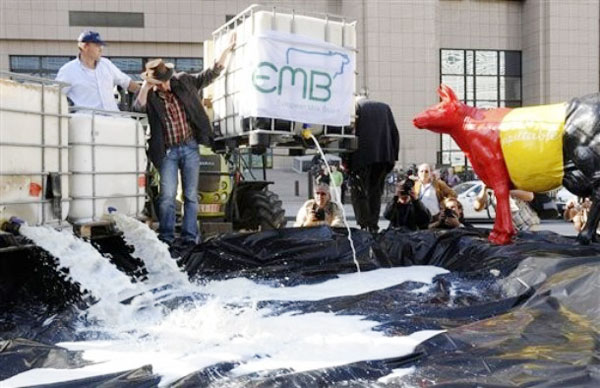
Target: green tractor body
(214, 186)
(226, 201)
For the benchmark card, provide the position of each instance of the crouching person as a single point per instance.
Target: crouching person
(405, 209)
(451, 216)
(320, 210)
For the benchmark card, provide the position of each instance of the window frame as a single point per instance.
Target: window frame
(445, 155)
(134, 74)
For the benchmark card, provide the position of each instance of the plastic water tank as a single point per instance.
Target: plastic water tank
(226, 91)
(107, 164)
(34, 184)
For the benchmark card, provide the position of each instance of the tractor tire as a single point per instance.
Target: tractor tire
(260, 210)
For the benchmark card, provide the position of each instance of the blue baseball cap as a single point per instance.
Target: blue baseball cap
(90, 37)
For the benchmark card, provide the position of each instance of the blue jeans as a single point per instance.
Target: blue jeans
(186, 158)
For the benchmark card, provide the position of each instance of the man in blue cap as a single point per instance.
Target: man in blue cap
(92, 78)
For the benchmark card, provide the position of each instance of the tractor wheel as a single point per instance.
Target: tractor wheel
(260, 210)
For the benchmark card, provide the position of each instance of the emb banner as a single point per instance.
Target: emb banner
(296, 78)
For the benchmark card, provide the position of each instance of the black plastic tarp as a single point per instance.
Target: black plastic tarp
(298, 253)
(532, 319)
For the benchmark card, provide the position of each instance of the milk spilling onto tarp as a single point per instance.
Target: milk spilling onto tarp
(179, 327)
(336, 197)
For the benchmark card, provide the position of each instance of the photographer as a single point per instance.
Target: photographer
(320, 210)
(405, 209)
(451, 216)
(523, 216)
(577, 210)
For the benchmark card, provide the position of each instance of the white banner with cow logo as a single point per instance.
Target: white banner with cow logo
(296, 78)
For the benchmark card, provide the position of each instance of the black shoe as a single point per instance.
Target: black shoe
(187, 244)
(174, 252)
(181, 247)
(374, 229)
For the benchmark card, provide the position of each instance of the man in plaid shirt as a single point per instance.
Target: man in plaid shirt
(178, 123)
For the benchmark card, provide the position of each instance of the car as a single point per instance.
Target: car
(545, 207)
(467, 192)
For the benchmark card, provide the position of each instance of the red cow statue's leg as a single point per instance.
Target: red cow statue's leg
(503, 231)
(488, 162)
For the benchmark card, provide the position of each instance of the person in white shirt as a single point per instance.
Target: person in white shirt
(431, 191)
(92, 78)
(320, 210)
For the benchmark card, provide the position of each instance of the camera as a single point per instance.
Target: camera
(406, 186)
(449, 213)
(320, 214)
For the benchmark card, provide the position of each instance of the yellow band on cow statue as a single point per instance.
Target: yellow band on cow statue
(532, 142)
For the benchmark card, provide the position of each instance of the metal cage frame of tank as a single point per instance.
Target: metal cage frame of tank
(139, 118)
(257, 136)
(61, 147)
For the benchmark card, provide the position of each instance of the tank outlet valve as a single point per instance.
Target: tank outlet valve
(13, 225)
(112, 209)
(306, 133)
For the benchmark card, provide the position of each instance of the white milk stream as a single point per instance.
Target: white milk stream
(218, 321)
(337, 199)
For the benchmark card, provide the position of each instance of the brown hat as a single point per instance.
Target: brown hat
(157, 71)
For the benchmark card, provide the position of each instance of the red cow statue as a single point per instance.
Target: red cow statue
(532, 148)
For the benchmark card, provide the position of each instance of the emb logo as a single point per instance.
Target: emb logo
(315, 83)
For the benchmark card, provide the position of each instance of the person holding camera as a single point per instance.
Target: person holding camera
(451, 216)
(432, 191)
(320, 210)
(405, 209)
(523, 216)
(576, 211)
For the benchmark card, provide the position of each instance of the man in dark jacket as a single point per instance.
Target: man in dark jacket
(406, 210)
(178, 123)
(378, 144)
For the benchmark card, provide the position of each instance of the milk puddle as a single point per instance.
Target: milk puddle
(185, 327)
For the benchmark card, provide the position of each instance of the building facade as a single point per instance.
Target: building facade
(492, 52)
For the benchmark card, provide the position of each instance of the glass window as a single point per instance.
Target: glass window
(453, 62)
(486, 88)
(20, 63)
(48, 66)
(128, 65)
(106, 19)
(470, 66)
(470, 88)
(488, 79)
(189, 65)
(510, 88)
(446, 142)
(486, 104)
(54, 63)
(486, 63)
(457, 83)
(510, 63)
(510, 104)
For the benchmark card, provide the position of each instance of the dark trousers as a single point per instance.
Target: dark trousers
(366, 191)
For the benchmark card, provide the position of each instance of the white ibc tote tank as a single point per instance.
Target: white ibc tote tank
(256, 19)
(34, 182)
(107, 164)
